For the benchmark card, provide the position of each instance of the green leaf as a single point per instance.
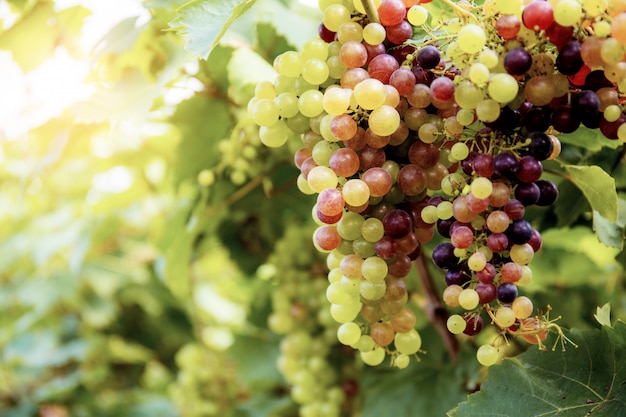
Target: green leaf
(598, 187)
(603, 315)
(611, 233)
(204, 22)
(591, 139)
(584, 381)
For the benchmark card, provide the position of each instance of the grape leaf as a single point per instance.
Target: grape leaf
(611, 233)
(598, 187)
(204, 22)
(586, 381)
(590, 139)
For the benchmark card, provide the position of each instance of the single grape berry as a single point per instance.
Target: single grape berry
(428, 57)
(517, 61)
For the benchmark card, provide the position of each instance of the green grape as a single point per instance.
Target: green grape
(343, 313)
(408, 343)
(417, 15)
(429, 214)
(401, 361)
(444, 210)
(275, 135)
(489, 57)
(349, 226)
(504, 317)
(334, 16)
(374, 269)
(374, 357)
(468, 299)
(322, 151)
(568, 12)
(372, 291)
(471, 38)
(384, 120)
(481, 187)
(488, 110)
(369, 93)
(487, 355)
(459, 151)
(503, 88)
(350, 31)
(303, 185)
(348, 333)
(287, 104)
(374, 33)
(310, 103)
(315, 71)
(372, 229)
(265, 89)
(355, 192)
(456, 324)
(522, 254)
(264, 112)
(288, 64)
(336, 295)
(479, 73)
(364, 344)
(321, 178)
(509, 6)
(465, 116)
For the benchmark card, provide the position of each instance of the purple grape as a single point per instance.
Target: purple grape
(527, 193)
(397, 223)
(443, 227)
(537, 118)
(483, 165)
(443, 256)
(563, 119)
(519, 232)
(486, 292)
(609, 129)
(505, 164)
(529, 169)
(515, 209)
(507, 292)
(508, 121)
(422, 75)
(540, 147)
(517, 61)
(386, 247)
(474, 325)
(596, 80)
(569, 61)
(458, 275)
(548, 193)
(467, 165)
(586, 107)
(428, 57)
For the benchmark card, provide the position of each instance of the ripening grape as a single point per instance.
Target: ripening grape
(468, 299)
(384, 120)
(471, 39)
(408, 343)
(503, 88)
(504, 317)
(522, 307)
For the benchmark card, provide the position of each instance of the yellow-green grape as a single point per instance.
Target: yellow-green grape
(265, 89)
(602, 28)
(280, 323)
(303, 185)
(467, 96)
(336, 295)
(336, 68)
(373, 357)
(287, 104)
(264, 112)
(417, 15)
(509, 6)
(408, 343)
(343, 313)
(348, 333)
(370, 93)
(621, 132)
(487, 355)
(384, 120)
(504, 317)
(486, 111)
(355, 192)
(489, 58)
(429, 214)
(364, 344)
(481, 187)
(275, 135)
(465, 116)
(477, 261)
(374, 269)
(459, 151)
(350, 286)
(401, 361)
(336, 100)
(289, 64)
(522, 307)
(503, 88)
(206, 177)
(568, 12)
(310, 103)
(456, 324)
(522, 254)
(469, 299)
(471, 38)
(595, 8)
(314, 48)
(444, 210)
(479, 73)
(527, 276)
(374, 33)
(372, 229)
(612, 51)
(335, 15)
(285, 84)
(321, 178)
(372, 290)
(315, 71)
(350, 31)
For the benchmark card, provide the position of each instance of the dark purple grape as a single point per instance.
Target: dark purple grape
(548, 192)
(541, 146)
(537, 118)
(536, 241)
(515, 209)
(505, 164)
(483, 165)
(422, 75)
(529, 169)
(474, 325)
(397, 223)
(486, 292)
(443, 227)
(569, 61)
(519, 232)
(508, 121)
(467, 165)
(517, 61)
(458, 275)
(586, 107)
(507, 292)
(428, 57)
(443, 256)
(325, 34)
(527, 193)
(563, 119)
(596, 80)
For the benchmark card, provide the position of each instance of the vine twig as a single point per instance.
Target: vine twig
(370, 10)
(437, 314)
(461, 10)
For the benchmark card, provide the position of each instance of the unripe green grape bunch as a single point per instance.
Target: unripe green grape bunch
(408, 132)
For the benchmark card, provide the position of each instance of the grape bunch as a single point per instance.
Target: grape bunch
(313, 364)
(413, 127)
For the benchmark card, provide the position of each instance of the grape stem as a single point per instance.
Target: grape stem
(370, 10)
(461, 10)
(437, 313)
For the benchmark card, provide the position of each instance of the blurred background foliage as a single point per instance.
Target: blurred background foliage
(137, 205)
